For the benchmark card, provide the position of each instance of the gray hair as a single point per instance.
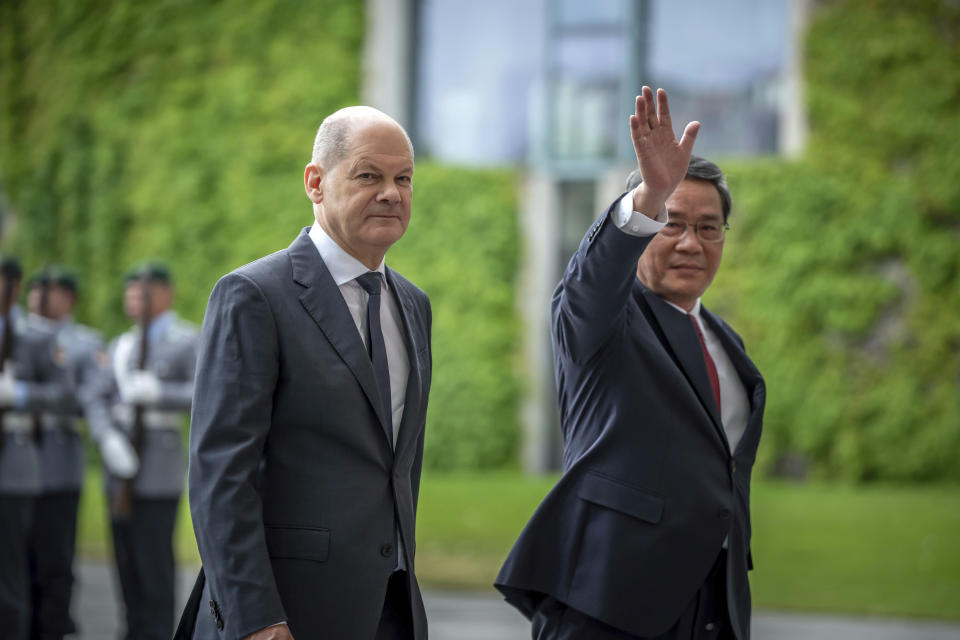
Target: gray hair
(698, 169)
(332, 142)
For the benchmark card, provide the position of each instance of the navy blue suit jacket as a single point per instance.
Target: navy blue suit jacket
(650, 489)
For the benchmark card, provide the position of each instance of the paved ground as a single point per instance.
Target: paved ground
(484, 616)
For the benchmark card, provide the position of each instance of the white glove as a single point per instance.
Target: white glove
(8, 386)
(142, 388)
(118, 455)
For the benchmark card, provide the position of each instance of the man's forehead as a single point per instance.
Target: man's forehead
(402, 162)
(679, 212)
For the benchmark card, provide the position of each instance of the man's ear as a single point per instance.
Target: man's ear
(313, 183)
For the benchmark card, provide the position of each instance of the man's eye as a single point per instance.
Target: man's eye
(365, 176)
(674, 225)
(405, 179)
(709, 228)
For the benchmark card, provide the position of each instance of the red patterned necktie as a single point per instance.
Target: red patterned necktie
(711, 367)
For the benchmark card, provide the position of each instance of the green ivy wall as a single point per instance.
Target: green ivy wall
(843, 268)
(179, 130)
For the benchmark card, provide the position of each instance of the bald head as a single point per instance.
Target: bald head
(334, 135)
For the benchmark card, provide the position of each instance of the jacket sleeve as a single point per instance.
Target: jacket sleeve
(98, 392)
(589, 303)
(237, 369)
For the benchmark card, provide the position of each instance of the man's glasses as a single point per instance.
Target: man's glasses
(706, 231)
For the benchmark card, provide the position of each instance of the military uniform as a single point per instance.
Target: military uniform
(143, 542)
(39, 386)
(61, 456)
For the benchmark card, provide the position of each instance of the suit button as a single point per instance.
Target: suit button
(724, 514)
(386, 550)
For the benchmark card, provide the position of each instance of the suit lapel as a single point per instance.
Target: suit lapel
(411, 405)
(679, 336)
(748, 372)
(323, 301)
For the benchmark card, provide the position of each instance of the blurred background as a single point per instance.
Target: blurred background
(179, 130)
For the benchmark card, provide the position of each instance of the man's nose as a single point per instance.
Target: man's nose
(390, 193)
(688, 242)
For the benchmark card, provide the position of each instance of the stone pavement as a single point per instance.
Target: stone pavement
(484, 616)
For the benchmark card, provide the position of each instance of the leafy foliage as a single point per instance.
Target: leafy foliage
(179, 130)
(462, 248)
(170, 129)
(843, 271)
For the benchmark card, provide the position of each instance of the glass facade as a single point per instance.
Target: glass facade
(551, 82)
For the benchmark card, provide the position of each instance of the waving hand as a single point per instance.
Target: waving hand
(661, 158)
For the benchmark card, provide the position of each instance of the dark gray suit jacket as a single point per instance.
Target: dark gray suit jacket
(650, 488)
(295, 491)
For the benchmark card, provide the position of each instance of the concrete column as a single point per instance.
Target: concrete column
(794, 127)
(538, 409)
(389, 57)
(610, 184)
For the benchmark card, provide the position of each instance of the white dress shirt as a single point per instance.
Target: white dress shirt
(345, 270)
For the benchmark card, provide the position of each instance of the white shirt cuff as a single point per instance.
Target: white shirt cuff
(635, 223)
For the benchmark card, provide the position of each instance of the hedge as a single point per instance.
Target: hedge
(843, 267)
(179, 130)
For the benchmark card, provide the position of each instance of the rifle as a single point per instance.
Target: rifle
(37, 417)
(6, 340)
(122, 502)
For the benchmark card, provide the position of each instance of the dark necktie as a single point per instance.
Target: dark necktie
(711, 366)
(376, 347)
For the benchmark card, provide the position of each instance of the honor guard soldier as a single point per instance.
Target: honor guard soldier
(143, 394)
(29, 383)
(51, 296)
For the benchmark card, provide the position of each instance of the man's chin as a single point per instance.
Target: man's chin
(385, 235)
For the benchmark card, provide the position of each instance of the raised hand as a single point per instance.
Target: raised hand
(661, 158)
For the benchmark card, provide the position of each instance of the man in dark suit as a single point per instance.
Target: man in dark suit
(307, 431)
(647, 533)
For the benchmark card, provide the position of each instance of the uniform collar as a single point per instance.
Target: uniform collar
(159, 325)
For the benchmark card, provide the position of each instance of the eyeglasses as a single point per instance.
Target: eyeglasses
(706, 231)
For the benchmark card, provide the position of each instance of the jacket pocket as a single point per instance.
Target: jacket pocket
(609, 493)
(300, 543)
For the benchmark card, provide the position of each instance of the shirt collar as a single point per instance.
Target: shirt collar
(342, 266)
(695, 312)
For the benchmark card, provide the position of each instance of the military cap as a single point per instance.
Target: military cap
(151, 271)
(10, 267)
(54, 276)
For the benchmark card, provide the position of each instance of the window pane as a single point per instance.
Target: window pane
(592, 12)
(721, 63)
